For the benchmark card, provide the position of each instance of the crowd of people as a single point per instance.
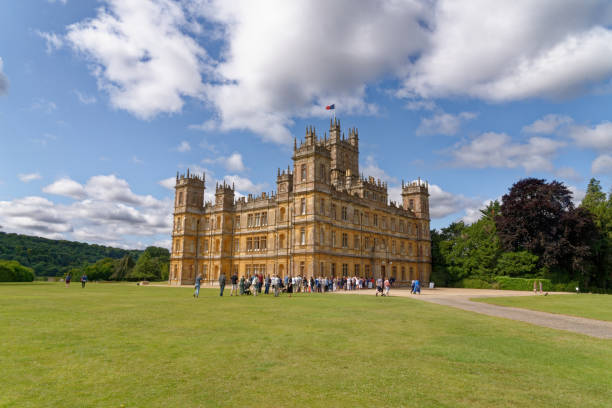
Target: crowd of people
(256, 284)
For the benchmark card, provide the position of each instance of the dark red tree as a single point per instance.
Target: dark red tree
(540, 217)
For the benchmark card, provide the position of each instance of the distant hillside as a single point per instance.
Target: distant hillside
(49, 257)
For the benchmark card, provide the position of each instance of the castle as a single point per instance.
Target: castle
(324, 220)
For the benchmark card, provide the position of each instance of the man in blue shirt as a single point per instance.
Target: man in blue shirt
(198, 281)
(83, 280)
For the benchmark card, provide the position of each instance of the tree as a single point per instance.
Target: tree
(153, 264)
(517, 264)
(601, 210)
(540, 218)
(13, 271)
(123, 267)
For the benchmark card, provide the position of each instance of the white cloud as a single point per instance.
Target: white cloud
(502, 51)
(549, 124)
(443, 123)
(568, 173)
(4, 84)
(420, 105)
(577, 194)
(52, 40)
(137, 160)
(232, 162)
(143, 55)
(184, 146)
(66, 187)
(41, 104)
(372, 169)
(57, 1)
(85, 99)
(498, 150)
(168, 183)
(26, 178)
(244, 185)
(473, 214)
(602, 164)
(105, 211)
(443, 203)
(598, 137)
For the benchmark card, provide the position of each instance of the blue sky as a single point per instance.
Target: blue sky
(101, 102)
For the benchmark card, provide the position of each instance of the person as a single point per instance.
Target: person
(379, 287)
(387, 286)
(221, 283)
(198, 282)
(255, 284)
(68, 278)
(268, 283)
(83, 280)
(241, 285)
(412, 287)
(417, 287)
(276, 284)
(234, 280)
(290, 287)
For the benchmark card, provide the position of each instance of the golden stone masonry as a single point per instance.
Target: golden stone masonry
(323, 220)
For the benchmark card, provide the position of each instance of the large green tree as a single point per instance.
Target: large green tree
(601, 210)
(153, 264)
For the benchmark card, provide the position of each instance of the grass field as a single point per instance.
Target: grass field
(114, 344)
(583, 305)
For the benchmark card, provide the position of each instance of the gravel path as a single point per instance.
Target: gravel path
(460, 298)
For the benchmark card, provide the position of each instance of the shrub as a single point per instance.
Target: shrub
(473, 284)
(565, 287)
(13, 271)
(508, 283)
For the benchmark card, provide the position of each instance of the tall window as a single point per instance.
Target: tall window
(333, 269)
(333, 211)
(302, 268)
(264, 218)
(366, 243)
(236, 245)
(344, 269)
(302, 236)
(322, 236)
(206, 246)
(257, 219)
(303, 172)
(237, 222)
(375, 220)
(344, 214)
(356, 241)
(357, 270)
(392, 247)
(322, 207)
(344, 240)
(333, 236)
(263, 243)
(367, 271)
(180, 198)
(411, 204)
(249, 244)
(366, 219)
(303, 206)
(255, 243)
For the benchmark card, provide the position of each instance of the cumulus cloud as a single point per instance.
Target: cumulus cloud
(568, 173)
(602, 164)
(168, 183)
(232, 162)
(66, 187)
(443, 123)
(260, 65)
(443, 203)
(26, 178)
(142, 54)
(597, 137)
(549, 124)
(105, 211)
(503, 51)
(184, 146)
(499, 150)
(244, 185)
(4, 84)
(372, 169)
(577, 194)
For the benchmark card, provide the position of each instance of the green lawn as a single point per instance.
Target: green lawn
(583, 305)
(114, 344)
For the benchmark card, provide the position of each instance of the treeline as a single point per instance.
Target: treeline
(534, 233)
(152, 264)
(49, 257)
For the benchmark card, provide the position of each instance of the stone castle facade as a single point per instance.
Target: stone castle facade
(323, 220)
